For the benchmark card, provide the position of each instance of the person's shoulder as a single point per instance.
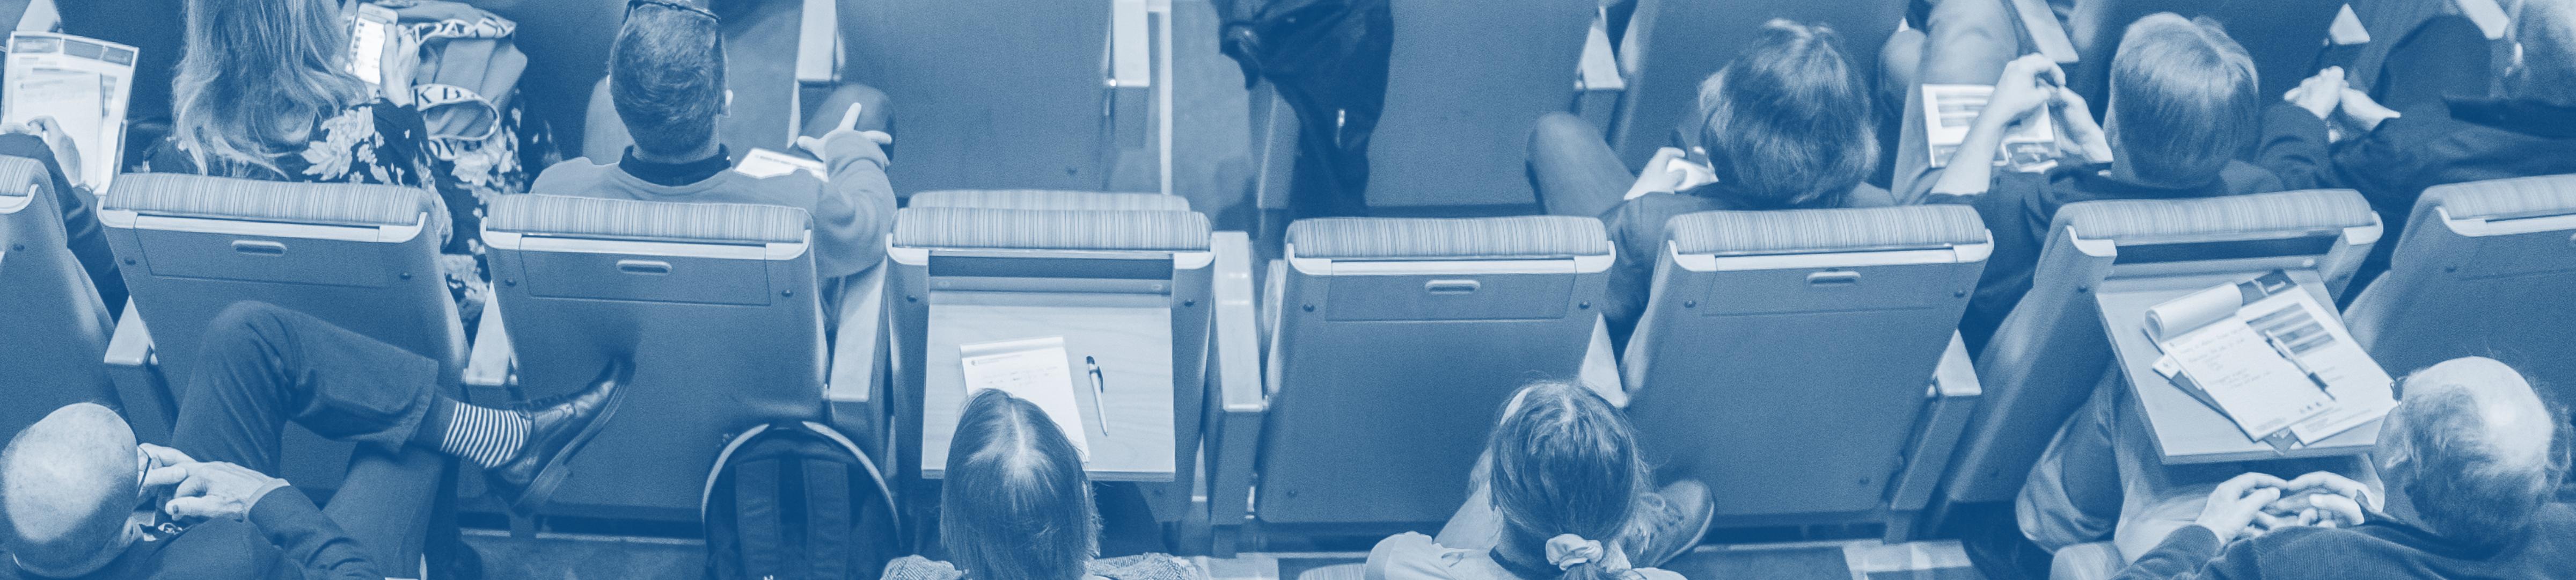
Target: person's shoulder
(1409, 556)
(1145, 567)
(215, 550)
(1655, 574)
(571, 176)
(2243, 178)
(919, 568)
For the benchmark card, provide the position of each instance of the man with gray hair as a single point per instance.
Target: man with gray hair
(2472, 457)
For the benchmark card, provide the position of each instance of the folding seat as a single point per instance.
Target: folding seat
(1399, 340)
(363, 257)
(55, 327)
(2052, 351)
(1125, 291)
(1042, 199)
(995, 94)
(716, 304)
(1805, 364)
(773, 99)
(2483, 269)
(1672, 45)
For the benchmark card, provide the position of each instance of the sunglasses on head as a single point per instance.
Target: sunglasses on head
(671, 4)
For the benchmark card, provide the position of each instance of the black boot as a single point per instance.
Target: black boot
(557, 428)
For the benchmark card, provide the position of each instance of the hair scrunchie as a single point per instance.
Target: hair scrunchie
(1565, 551)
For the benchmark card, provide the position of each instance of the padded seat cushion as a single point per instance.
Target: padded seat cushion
(2502, 198)
(174, 194)
(2306, 210)
(646, 220)
(1522, 237)
(1825, 230)
(1023, 229)
(1050, 199)
(21, 177)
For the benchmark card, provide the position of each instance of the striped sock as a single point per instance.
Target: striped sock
(484, 436)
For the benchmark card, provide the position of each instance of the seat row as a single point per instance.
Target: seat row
(1802, 363)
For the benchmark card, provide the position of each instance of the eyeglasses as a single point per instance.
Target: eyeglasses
(679, 5)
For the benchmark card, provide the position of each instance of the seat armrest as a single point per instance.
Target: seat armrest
(1130, 71)
(818, 43)
(491, 361)
(146, 399)
(1235, 424)
(1952, 397)
(1274, 147)
(1601, 366)
(859, 358)
(2046, 34)
(1597, 82)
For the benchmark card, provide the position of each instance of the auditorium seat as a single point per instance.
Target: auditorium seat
(1805, 364)
(1398, 343)
(1014, 94)
(363, 257)
(1672, 45)
(1129, 287)
(53, 325)
(2474, 275)
(2051, 352)
(716, 303)
(1042, 199)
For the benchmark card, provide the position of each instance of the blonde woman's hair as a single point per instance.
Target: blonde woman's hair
(258, 78)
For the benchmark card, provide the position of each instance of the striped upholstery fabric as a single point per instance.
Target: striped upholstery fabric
(1050, 199)
(646, 220)
(1450, 239)
(20, 176)
(2309, 210)
(1021, 229)
(172, 194)
(2505, 198)
(1825, 230)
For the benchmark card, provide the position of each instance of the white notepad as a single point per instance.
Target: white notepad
(1032, 369)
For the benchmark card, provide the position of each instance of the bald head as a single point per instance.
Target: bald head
(66, 486)
(2546, 33)
(2472, 441)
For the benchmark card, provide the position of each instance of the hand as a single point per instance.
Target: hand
(165, 469)
(66, 154)
(1670, 170)
(2325, 510)
(2233, 506)
(2028, 83)
(2319, 94)
(847, 129)
(2365, 111)
(2083, 136)
(220, 490)
(401, 60)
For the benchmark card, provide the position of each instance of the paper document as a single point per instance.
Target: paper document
(1035, 370)
(1949, 110)
(83, 84)
(765, 163)
(2269, 356)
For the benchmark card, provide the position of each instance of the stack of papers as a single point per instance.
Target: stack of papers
(1949, 110)
(82, 84)
(2268, 356)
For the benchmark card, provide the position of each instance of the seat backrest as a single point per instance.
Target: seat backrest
(1131, 287)
(996, 93)
(1046, 199)
(1676, 44)
(363, 257)
(2051, 351)
(1766, 329)
(715, 302)
(52, 323)
(2472, 276)
(1467, 81)
(1398, 343)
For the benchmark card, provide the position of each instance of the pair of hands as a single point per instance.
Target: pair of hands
(2252, 504)
(847, 129)
(51, 131)
(203, 489)
(2032, 83)
(1671, 171)
(2328, 91)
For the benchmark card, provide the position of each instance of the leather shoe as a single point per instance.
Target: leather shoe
(1669, 523)
(557, 428)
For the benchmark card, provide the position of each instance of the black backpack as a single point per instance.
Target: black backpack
(797, 501)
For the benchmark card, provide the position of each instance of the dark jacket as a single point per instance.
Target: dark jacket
(2381, 549)
(2480, 139)
(284, 538)
(2017, 210)
(1636, 229)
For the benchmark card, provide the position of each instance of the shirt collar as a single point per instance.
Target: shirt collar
(675, 174)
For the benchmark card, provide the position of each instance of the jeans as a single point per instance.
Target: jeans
(1966, 42)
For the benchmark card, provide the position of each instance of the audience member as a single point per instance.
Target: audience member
(71, 484)
(264, 93)
(2525, 126)
(2182, 106)
(667, 79)
(2472, 457)
(1016, 505)
(1561, 493)
(1784, 126)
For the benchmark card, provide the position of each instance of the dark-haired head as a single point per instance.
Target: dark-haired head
(666, 77)
(1563, 462)
(1015, 504)
(1789, 121)
(2183, 101)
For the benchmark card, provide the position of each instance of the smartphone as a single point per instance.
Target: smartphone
(369, 32)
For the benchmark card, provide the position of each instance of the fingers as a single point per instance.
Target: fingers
(850, 118)
(162, 477)
(195, 507)
(811, 145)
(166, 456)
(2248, 484)
(2336, 509)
